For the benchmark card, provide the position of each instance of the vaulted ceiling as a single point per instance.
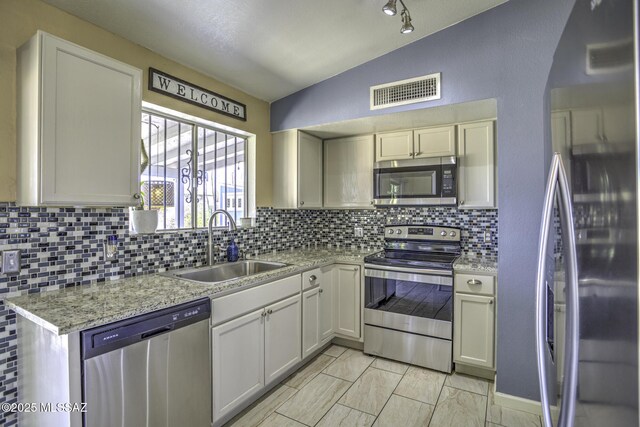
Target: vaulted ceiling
(270, 48)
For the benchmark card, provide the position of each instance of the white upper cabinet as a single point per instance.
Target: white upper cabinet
(609, 124)
(78, 126)
(297, 170)
(434, 142)
(394, 146)
(416, 144)
(476, 165)
(587, 126)
(348, 172)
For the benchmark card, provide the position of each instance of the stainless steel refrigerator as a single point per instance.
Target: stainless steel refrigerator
(587, 284)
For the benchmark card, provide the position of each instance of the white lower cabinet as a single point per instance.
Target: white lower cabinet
(474, 321)
(310, 321)
(281, 337)
(255, 349)
(346, 288)
(317, 309)
(326, 305)
(238, 361)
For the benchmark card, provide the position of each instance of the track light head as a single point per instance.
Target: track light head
(406, 22)
(390, 8)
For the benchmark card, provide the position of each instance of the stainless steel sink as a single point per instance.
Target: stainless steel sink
(221, 272)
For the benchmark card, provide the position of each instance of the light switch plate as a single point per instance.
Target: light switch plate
(11, 262)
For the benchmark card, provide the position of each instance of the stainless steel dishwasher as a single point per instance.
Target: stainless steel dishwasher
(151, 370)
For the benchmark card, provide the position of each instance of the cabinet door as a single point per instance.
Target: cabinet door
(282, 334)
(587, 126)
(285, 169)
(309, 171)
(310, 321)
(476, 169)
(238, 361)
(473, 330)
(346, 281)
(394, 146)
(326, 304)
(90, 136)
(435, 142)
(348, 172)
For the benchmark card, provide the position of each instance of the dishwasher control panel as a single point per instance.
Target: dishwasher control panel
(116, 335)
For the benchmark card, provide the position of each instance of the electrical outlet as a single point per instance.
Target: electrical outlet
(359, 231)
(11, 262)
(487, 236)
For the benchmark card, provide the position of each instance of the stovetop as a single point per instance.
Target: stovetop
(418, 246)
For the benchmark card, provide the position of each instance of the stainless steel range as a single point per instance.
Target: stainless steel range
(408, 305)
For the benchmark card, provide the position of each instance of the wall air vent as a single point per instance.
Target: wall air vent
(609, 57)
(410, 91)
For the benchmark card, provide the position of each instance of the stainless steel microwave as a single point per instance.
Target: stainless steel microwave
(430, 181)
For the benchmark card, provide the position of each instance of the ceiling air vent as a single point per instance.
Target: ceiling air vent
(609, 57)
(418, 89)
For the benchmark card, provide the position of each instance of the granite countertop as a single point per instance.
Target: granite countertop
(475, 264)
(73, 309)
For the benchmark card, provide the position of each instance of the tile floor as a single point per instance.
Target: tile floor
(345, 387)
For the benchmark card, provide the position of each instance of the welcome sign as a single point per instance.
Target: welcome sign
(187, 92)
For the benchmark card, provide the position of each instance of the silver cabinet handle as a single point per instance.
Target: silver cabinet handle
(372, 202)
(312, 278)
(356, 269)
(417, 153)
(301, 203)
(269, 311)
(136, 196)
(474, 282)
(490, 302)
(264, 313)
(461, 202)
(320, 291)
(412, 154)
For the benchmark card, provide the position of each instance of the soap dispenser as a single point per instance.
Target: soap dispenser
(232, 251)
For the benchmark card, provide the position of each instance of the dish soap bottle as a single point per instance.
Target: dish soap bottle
(232, 251)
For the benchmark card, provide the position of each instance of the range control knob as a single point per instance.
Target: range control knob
(398, 231)
(390, 231)
(452, 234)
(443, 233)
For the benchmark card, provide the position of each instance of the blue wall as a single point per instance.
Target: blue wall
(504, 53)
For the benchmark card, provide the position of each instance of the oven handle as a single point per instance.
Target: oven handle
(423, 271)
(408, 276)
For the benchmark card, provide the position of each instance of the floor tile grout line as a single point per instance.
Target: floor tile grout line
(437, 400)
(352, 383)
(389, 398)
(311, 379)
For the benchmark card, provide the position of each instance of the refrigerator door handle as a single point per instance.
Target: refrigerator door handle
(570, 384)
(557, 180)
(547, 212)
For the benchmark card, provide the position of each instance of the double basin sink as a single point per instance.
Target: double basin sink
(227, 271)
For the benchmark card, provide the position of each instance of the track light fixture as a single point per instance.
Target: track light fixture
(390, 9)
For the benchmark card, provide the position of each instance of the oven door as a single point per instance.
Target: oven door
(410, 300)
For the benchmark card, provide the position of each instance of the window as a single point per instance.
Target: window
(192, 170)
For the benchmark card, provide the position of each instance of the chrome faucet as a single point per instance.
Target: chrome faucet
(232, 227)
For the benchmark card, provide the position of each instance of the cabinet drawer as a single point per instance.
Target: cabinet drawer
(231, 306)
(475, 284)
(311, 278)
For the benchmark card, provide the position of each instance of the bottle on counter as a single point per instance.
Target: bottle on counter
(233, 253)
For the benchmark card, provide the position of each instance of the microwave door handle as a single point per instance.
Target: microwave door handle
(570, 384)
(541, 319)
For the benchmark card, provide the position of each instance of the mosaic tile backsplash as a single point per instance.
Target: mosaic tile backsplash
(63, 247)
